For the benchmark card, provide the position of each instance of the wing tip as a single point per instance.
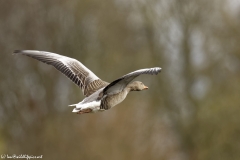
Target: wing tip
(157, 69)
(17, 51)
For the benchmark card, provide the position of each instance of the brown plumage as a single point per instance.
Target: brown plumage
(100, 95)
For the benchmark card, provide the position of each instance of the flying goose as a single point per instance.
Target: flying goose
(99, 95)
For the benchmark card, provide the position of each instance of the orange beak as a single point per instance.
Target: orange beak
(145, 87)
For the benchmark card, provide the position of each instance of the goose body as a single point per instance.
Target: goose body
(99, 95)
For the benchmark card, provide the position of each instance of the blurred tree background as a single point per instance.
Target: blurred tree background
(190, 112)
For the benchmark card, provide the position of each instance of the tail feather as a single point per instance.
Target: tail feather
(76, 110)
(72, 105)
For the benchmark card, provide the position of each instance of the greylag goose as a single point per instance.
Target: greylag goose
(99, 95)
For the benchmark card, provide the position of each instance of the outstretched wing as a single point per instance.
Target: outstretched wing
(119, 84)
(73, 69)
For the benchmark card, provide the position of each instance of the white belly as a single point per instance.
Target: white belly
(94, 106)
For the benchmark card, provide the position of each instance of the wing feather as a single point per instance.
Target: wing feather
(119, 84)
(73, 69)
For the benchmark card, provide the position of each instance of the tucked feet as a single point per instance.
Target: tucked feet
(85, 111)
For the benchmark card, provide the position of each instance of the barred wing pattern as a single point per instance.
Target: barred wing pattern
(73, 69)
(119, 84)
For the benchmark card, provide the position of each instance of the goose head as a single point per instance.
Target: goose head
(137, 86)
